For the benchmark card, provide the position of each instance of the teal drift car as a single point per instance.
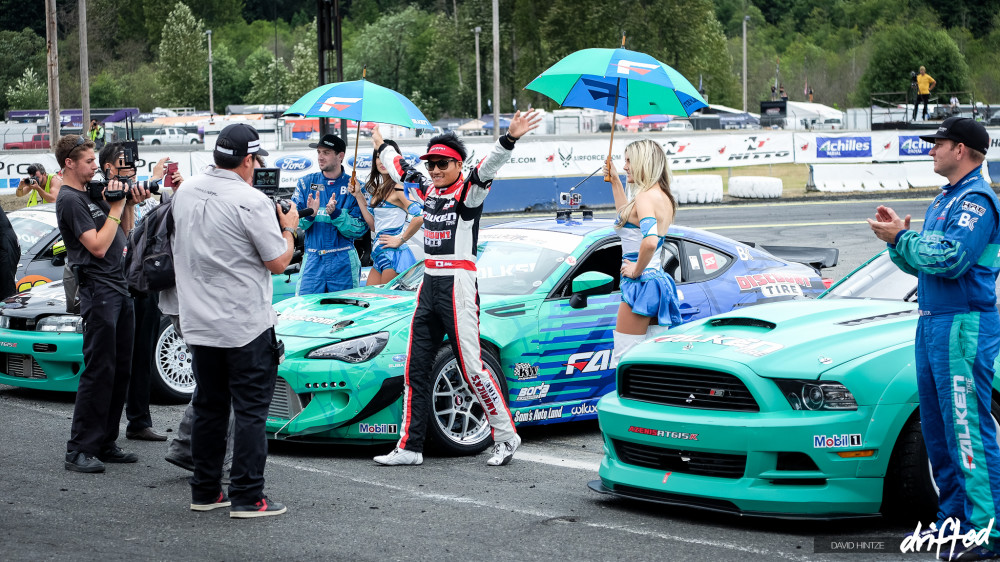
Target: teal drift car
(806, 409)
(548, 300)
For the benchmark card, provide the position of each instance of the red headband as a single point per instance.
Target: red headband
(442, 150)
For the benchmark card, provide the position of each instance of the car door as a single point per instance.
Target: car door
(574, 361)
(705, 288)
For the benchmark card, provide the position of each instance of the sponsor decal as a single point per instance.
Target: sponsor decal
(29, 281)
(379, 428)
(672, 148)
(695, 264)
(744, 253)
(583, 409)
(749, 346)
(709, 260)
(640, 68)
(291, 317)
(8, 344)
(529, 393)
(836, 441)
(664, 434)
(538, 414)
(571, 260)
(565, 158)
(589, 361)
(399, 357)
(843, 147)
(339, 104)
(940, 537)
(509, 270)
(967, 220)
(973, 208)
(750, 282)
(913, 146)
(525, 371)
(960, 410)
(293, 163)
(755, 150)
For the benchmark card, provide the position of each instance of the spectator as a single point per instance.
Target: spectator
(958, 331)
(782, 93)
(331, 262)
(227, 242)
(94, 233)
(44, 188)
(924, 86)
(953, 105)
(774, 93)
(810, 94)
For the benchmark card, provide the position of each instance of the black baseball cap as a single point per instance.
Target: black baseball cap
(331, 141)
(243, 138)
(964, 130)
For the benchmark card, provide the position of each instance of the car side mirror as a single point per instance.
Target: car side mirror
(59, 261)
(587, 284)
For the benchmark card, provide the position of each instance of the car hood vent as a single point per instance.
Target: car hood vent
(878, 318)
(737, 321)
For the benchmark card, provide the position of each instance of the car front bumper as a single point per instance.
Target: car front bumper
(41, 360)
(776, 464)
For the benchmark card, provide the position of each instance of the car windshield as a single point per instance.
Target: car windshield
(878, 279)
(31, 226)
(504, 267)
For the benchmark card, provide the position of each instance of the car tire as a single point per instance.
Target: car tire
(155, 142)
(173, 376)
(458, 424)
(910, 493)
(194, 141)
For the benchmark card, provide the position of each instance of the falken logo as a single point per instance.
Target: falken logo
(589, 361)
(960, 393)
(379, 428)
(293, 163)
(533, 392)
(843, 147)
(913, 146)
(640, 68)
(832, 441)
(750, 346)
(339, 104)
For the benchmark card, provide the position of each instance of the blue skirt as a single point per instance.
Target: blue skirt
(653, 294)
(396, 259)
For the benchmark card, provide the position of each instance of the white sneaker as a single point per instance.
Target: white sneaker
(400, 456)
(503, 452)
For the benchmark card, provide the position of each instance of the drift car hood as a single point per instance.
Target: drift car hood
(43, 300)
(343, 314)
(795, 340)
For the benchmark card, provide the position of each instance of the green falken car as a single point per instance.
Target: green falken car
(548, 300)
(804, 409)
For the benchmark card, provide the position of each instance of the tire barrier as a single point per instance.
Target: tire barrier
(697, 189)
(755, 187)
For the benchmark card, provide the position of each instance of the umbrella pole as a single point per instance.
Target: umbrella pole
(357, 138)
(614, 120)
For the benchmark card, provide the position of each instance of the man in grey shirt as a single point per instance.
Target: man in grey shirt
(227, 244)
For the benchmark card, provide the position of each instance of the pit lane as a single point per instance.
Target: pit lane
(343, 507)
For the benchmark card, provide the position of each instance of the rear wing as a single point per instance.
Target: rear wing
(816, 258)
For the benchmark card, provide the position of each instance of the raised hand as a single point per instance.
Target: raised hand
(520, 124)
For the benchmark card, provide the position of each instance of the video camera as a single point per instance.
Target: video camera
(913, 79)
(130, 155)
(268, 182)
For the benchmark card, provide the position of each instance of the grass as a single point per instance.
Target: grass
(793, 176)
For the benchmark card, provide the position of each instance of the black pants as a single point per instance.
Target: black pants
(147, 327)
(107, 354)
(244, 377)
(921, 98)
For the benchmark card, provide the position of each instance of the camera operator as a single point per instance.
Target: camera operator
(44, 188)
(94, 234)
(226, 245)
(96, 134)
(114, 165)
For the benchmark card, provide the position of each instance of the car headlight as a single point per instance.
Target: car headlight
(60, 324)
(815, 395)
(354, 350)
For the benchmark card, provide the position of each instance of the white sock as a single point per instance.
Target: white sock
(655, 330)
(623, 343)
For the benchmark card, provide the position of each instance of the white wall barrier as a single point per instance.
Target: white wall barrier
(697, 189)
(857, 177)
(755, 187)
(921, 174)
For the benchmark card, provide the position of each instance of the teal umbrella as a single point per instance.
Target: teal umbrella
(620, 81)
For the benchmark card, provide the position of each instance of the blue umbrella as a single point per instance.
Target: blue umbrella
(504, 123)
(654, 119)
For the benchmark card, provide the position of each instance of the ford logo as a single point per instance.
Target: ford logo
(293, 163)
(365, 160)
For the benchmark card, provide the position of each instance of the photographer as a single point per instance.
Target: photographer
(96, 134)
(44, 188)
(115, 165)
(226, 245)
(94, 233)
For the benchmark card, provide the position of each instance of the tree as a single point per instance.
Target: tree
(183, 59)
(268, 79)
(899, 50)
(232, 79)
(20, 50)
(303, 77)
(28, 92)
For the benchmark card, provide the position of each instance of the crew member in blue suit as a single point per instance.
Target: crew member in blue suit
(331, 262)
(956, 258)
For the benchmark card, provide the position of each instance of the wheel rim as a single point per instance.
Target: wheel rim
(173, 362)
(457, 412)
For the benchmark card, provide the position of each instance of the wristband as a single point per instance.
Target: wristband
(117, 220)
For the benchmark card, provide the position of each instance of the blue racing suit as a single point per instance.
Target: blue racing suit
(330, 263)
(955, 259)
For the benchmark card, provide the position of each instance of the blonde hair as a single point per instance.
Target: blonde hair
(650, 168)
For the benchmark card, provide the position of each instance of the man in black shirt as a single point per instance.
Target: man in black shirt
(10, 253)
(94, 234)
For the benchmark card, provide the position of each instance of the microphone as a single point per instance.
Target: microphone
(307, 212)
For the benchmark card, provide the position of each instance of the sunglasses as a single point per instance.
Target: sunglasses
(442, 164)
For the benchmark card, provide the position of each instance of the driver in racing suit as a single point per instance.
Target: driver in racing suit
(448, 298)
(331, 262)
(955, 258)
